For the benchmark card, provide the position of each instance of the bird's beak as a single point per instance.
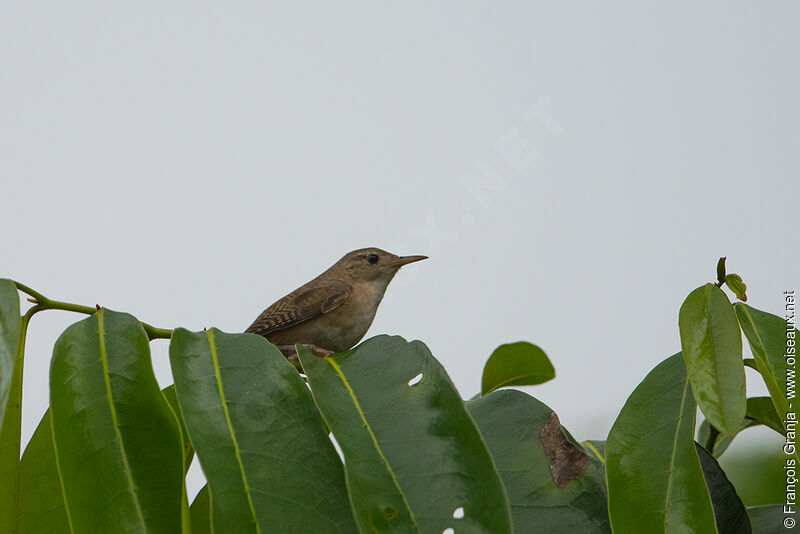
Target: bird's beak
(405, 260)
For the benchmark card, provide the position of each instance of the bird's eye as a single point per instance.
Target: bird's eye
(372, 258)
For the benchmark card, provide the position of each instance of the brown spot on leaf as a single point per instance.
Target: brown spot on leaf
(569, 461)
(389, 512)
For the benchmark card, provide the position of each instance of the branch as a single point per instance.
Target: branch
(43, 303)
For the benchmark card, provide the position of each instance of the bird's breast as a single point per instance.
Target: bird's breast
(351, 320)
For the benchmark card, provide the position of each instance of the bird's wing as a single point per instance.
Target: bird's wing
(301, 305)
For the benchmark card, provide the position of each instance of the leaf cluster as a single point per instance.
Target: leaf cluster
(112, 452)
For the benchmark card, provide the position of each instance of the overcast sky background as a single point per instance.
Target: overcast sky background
(573, 170)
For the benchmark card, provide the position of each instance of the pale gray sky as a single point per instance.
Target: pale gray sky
(191, 162)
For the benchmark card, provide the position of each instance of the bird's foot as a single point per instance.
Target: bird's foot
(319, 351)
(290, 352)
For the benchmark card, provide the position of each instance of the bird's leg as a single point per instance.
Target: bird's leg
(319, 351)
(291, 354)
(292, 357)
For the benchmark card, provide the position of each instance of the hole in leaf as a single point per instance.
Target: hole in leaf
(389, 512)
(458, 513)
(414, 381)
(449, 530)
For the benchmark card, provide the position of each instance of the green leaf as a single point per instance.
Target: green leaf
(552, 485)
(11, 355)
(41, 502)
(118, 446)
(721, 270)
(200, 512)
(729, 511)
(768, 519)
(596, 449)
(516, 364)
(10, 323)
(712, 349)
(723, 441)
(739, 288)
(188, 451)
(760, 411)
(414, 458)
(655, 480)
(767, 336)
(269, 463)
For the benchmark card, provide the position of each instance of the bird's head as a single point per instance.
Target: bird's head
(372, 263)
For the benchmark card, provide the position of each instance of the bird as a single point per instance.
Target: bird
(332, 312)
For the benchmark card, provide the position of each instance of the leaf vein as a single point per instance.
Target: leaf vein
(213, 348)
(374, 439)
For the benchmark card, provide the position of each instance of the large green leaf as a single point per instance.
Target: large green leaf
(12, 330)
(414, 459)
(516, 364)
(269, 463)
(41, 502)
(729, 511)
(118, 446)
(712, 349)
(767, 336)
(552, 485)
(9, 338)
(655, 481)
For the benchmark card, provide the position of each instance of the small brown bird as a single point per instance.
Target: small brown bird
(332, 312)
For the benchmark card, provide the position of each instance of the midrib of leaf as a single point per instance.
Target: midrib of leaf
(374, 439)
(213, 347)
(672, 458)
(594, 450)
(760, 353)
(107, 379)
(717, 376)
(713, 350)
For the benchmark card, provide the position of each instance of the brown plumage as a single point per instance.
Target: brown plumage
(333, 311)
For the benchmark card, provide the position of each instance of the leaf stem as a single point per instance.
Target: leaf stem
(43, 303)
(713, 434)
